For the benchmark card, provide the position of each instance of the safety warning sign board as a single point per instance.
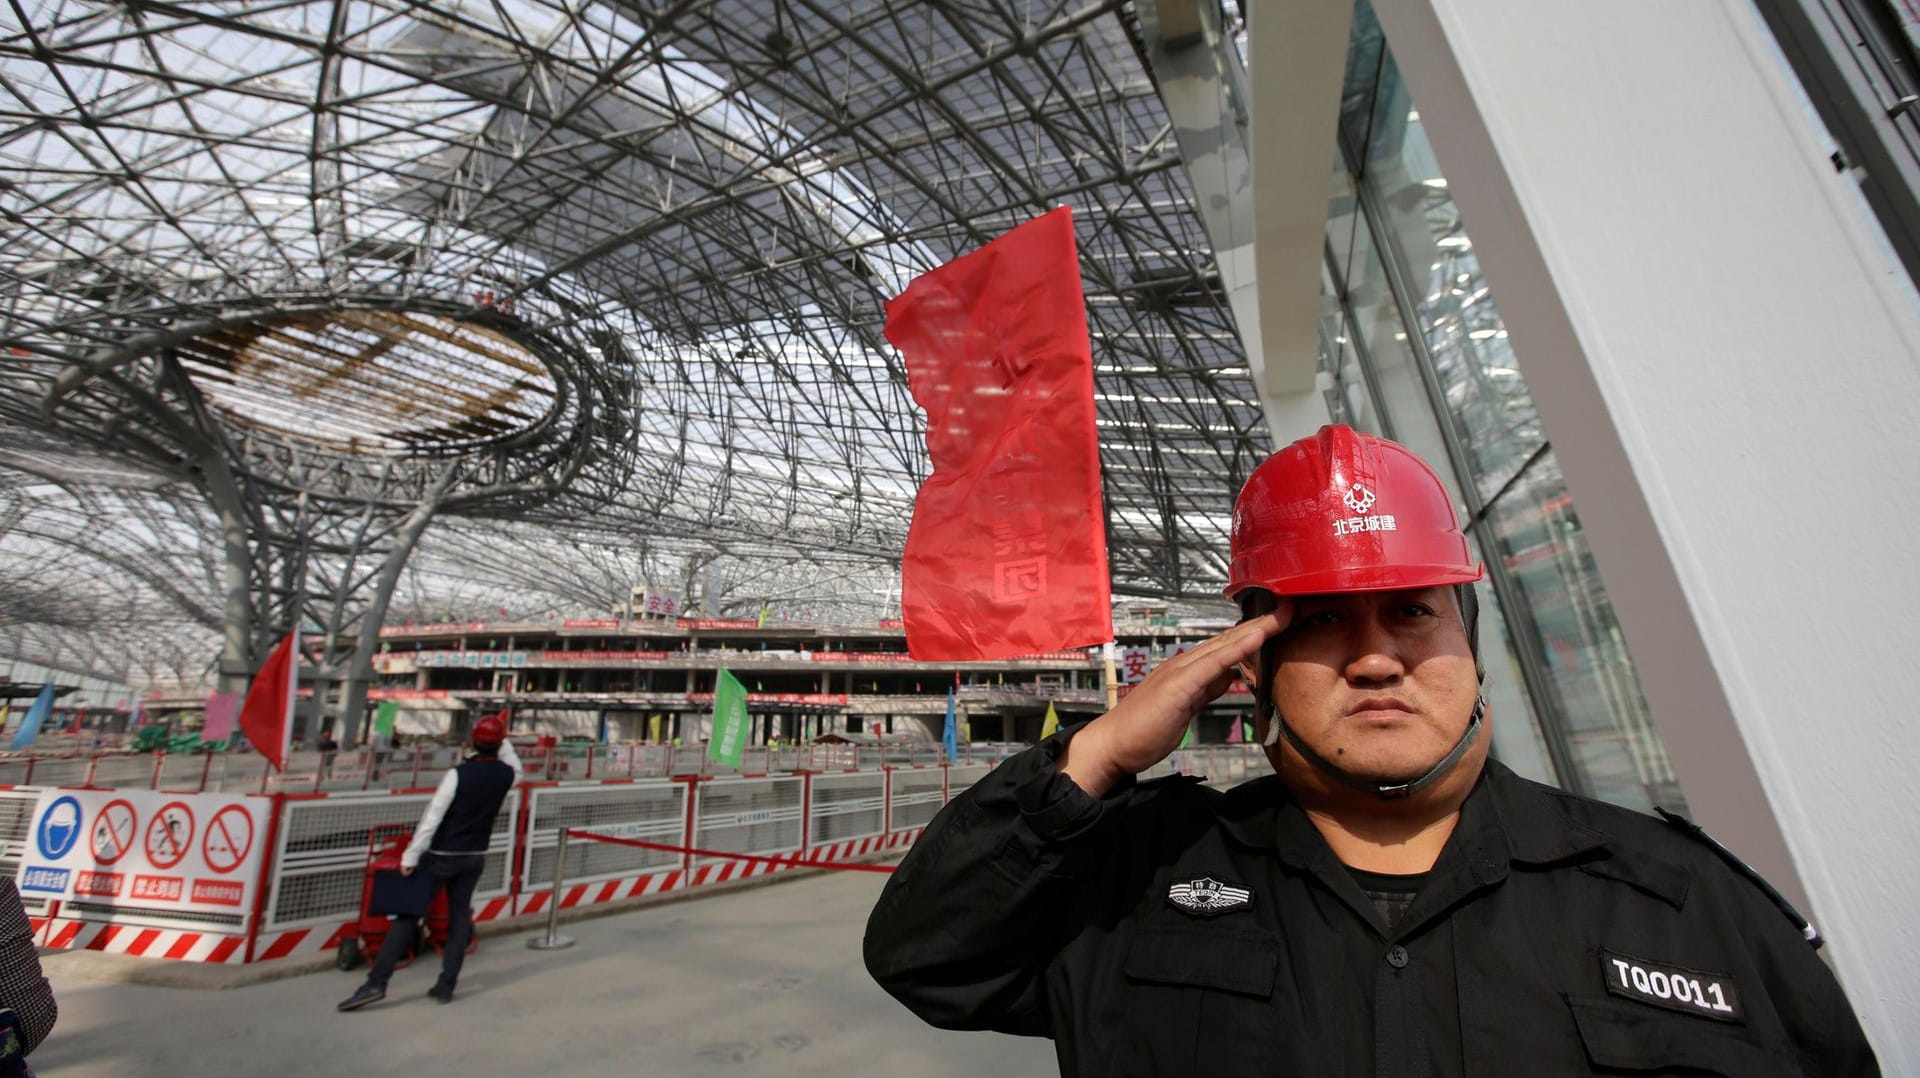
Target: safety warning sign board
(142, 849)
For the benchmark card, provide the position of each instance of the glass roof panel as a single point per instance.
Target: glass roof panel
(702, 214)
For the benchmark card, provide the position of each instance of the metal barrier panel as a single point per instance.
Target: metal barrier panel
(830, 758)
(748, 816)
(1239, 765)
(653, 761)
(181, 772)
(962, 776)
(320, 856)
(653, 811)
(368, 769)
(16, 816)
(119, 770)
(847, 806)
(236, 773)
(1219, 765)
(917, 795)
(60, 771)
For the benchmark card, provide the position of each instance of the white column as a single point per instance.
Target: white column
(1299, 51)
(1723, 353)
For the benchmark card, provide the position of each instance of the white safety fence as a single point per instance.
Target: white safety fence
(916, 794)
(316, 844)
(847, 808)
(750, 816)
(1218, 765)
(16, 819)
(652, 811)
(320, 854)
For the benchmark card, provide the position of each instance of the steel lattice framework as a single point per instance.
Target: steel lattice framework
(595, 286)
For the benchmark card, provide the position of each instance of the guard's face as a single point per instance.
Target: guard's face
(1381, 684)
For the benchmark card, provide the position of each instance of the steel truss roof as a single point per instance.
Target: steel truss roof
(691, 213)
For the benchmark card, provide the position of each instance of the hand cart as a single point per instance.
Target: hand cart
(382, 887)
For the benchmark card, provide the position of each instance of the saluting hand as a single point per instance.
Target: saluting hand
(1149, 723)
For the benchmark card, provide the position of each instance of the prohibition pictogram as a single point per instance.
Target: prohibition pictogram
(113, 831)
(169, 834)
(228, 838)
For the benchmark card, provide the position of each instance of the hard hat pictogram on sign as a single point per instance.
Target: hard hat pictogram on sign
(59, 829)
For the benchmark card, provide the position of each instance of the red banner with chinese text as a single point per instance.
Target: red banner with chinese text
(1007, 553)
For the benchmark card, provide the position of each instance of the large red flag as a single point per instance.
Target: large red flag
(1007, 554)
(267, 716)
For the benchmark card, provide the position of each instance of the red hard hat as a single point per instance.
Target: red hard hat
(1344, 511)
(491, 729)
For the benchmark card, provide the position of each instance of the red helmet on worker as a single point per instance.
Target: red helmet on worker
(1341, 511)
(490, 730)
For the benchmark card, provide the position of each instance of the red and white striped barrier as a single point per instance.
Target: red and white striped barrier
(601, 891)
(186, 945)
(325, 939)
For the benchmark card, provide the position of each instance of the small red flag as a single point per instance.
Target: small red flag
(267, 716)
(1007, 553)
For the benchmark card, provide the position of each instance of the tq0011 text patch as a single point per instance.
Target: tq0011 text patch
(1677, 988)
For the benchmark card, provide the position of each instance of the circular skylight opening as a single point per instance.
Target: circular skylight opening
(373, 381)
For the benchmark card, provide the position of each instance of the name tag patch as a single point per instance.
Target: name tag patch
(1677, 988)
(1207, 896)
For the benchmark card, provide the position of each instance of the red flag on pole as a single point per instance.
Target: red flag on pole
(267, 716)
(1007, 553)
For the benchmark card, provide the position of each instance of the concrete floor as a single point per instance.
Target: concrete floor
(766, 981)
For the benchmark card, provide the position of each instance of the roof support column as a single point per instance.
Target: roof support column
(1260, 174)
(353, 690)
(235, 668)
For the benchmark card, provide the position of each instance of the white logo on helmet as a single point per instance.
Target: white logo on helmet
(1360, 500)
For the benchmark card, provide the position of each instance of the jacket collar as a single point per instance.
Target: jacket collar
(1504, 814)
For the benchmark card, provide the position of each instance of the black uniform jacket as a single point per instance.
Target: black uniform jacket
(1172, 929)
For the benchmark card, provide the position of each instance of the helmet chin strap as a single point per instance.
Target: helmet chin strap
(1386, 791)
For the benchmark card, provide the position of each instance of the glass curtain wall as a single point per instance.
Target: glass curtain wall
(1413, 348)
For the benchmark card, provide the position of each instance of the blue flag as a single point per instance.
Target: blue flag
(37, 714)
(952, 736)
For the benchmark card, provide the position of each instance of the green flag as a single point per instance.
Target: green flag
(383, 718)
(729, 720)
(1187, 740)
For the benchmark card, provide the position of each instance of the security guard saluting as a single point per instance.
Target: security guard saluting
(1390, 902)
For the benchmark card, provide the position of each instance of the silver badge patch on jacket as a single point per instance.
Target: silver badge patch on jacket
(1207, 896)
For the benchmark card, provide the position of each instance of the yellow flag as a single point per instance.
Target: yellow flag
(6, 713)
(653, 729)
(1052, 725)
